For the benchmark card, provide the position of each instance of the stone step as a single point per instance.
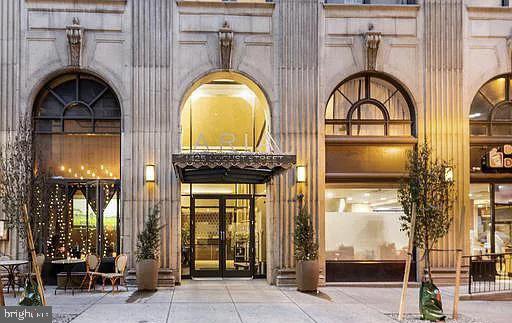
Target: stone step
(446, 276)
(286, 278)
(165, 278)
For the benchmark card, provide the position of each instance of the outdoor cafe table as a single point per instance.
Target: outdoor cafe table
(11, 266)
(68, 265)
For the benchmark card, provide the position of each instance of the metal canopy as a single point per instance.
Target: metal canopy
(230, 166)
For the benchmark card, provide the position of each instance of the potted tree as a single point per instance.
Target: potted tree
(430, 193)
(306, 251)
(21, 184)
(148, 242)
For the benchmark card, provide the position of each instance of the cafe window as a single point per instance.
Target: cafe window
(77, 140)
(491, 224)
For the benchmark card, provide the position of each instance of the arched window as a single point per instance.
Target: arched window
(77, 140)
(77, 103)
(369, 130)
(491, 109)
(370, 104)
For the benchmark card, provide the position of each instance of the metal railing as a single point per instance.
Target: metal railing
(490, 273)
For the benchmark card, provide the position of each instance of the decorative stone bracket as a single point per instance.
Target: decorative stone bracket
(225, 45)
(75, 34)
(372, 42)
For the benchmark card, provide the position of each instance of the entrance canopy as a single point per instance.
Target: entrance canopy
(230, 166)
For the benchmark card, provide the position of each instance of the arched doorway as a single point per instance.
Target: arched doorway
(369, 128)
(224, 165)
(77, 140)
(490, 121)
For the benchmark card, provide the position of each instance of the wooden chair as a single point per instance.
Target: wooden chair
(92, 264)
(116, 277)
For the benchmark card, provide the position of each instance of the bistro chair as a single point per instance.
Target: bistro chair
(4, 275)
(117, 277)
(92, 264)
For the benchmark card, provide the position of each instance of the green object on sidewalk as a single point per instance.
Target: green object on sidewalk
(30, 296)
(431, 307)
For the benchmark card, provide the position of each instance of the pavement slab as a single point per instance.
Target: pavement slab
(256, 301)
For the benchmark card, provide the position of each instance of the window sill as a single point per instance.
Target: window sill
(218, 4)
(358, 140)
(371, 7)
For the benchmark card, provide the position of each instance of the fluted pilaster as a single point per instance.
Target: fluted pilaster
(446, 125)
(10, 17)
(147, 137)
(298, 123)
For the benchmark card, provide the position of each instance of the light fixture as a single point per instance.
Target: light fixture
(448, 174)
(150, 173)
(301, 174)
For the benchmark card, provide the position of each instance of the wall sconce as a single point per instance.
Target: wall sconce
(448, 174)
(301, 174)
(150, 173)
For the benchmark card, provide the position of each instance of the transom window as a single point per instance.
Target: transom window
(77, 103)
(369, 104)
(491, 110)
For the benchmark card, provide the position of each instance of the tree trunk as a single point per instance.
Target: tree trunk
(427, 257)
(2, 298)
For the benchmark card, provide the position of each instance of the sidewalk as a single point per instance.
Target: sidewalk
(255, 301)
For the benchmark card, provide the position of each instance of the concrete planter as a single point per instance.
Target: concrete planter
(147, 274)
(307, 273)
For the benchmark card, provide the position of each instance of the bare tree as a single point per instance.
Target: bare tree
(17, 182)
(432, 195)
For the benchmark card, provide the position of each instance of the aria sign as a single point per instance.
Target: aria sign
(498, 159)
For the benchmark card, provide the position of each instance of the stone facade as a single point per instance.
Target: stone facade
(151, 52)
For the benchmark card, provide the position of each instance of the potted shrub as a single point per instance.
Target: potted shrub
(306, 251)
(148, 242)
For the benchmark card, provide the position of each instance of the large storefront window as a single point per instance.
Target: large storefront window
(369, 130)
(77, 140)
(491, 227)
(363, 224)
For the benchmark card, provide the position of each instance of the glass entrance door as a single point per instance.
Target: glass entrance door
(222, 236)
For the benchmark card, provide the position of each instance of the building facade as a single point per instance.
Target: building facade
(124, 93)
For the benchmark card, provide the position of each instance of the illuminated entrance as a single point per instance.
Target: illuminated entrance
(227, 158)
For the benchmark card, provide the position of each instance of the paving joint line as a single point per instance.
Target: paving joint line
(300, 308)
(234, 304)
(170, 305)
(376, 309)
(91, 305)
